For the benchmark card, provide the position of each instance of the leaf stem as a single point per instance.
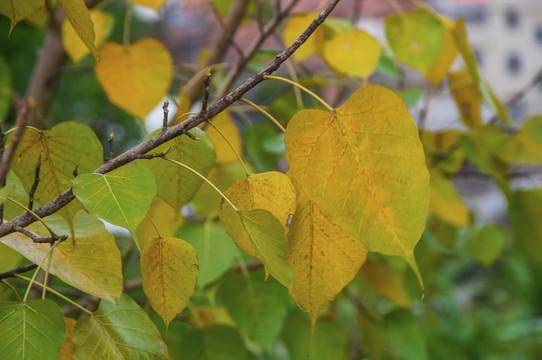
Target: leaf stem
(127, 24)
(230, 144)
(153, 224)
(316, 97)
(12, 288)
(53, 291)
(204, 178)
(268, 115)
(51, 232)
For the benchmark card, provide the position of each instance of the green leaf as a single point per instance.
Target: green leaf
(121, 197)
(79, 16)
(410, 96)
(405, 336)
(31, 330)
(255, 136)
(216, 252)
(5, 89)
(63, 148)
(121, 331)
(177, 185)
(415, 37)
(18, 10)
(90, 262)
(525, 211)
(329, 341)
(259, 308)
(487, 243)
(386, 66)
(218, 342)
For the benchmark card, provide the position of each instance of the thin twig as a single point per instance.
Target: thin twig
(8, 154)
(174, 131)
(17, 270)
(35, 183)
(40, 240)
(166, 112)
(206, 91)
(111, 143)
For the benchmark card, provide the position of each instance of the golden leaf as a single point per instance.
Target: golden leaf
(135, 77)
(467, 98)
(169, 268)
(323, 258)
(74, 46)
(224, 152)
(364, 165)
(354, 53)
(445, 201)
(295, 27)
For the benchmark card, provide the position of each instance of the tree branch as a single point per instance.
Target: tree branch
(17, 270)
(146, 146)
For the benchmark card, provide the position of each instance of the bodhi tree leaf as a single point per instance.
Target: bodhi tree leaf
(387, 281)
(91, 262)
(323, 258)
(74, 46)
(259, 308)
(169, 269)
(486, 244)
(77, 13)
(5, 89)
(217, 342)
(467, 98)
(114, 332)
(255, 138)
(525, 148)
(294, 27)
(354, 53)
(177, 185)
(437, 145)
(31, 330)
(363, 164)
(415, 37)
(162, 216)
(135, 77)
(153, 4)
(8, 258)
(445, 202)
(18, 10)
(121, 197)
(63, 148)
(448, 52)
(224, 152)
(216, 252)
(525, 211)
(66, 351)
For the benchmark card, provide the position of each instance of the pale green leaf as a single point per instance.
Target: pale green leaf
(486, 244)
(218, 342)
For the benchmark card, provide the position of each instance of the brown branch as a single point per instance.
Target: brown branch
(34, 184)
(146, 146)
(17, 270)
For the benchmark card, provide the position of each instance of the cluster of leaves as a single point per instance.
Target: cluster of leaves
(342, 224)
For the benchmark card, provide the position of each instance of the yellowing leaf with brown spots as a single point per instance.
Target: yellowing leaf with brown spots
(135, 77)
(271, 191)
(364, 165)
(445, 201)
(77, 13)
(18, 10)
(161, 215)
(169, 269)
(467, 98)
(448, 53)
(295, 27)
(153, 4)
(224, 152)
(74, 46)
(323, 258)
(353, 53)
(66, 351)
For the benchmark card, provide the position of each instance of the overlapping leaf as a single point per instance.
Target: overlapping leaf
(177, 185)
(66, 351)
(18, 10)
(31, 330)
(224, 152)
(162, 216)
(467, 98)
(445, 201)
(447, 54)
(74, 46)
(135, 77)
(354, 53)
(63, 148)
(169, 268)
(77, 13)
(215, 250)
(114, 332)
(363, 164)
(91, 262)
(121, 197)
(295, 26)
(323, 258)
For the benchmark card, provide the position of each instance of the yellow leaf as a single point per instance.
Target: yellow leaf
(438, 145)
(77, 13)
(75, 48)
(91, 262)
(445, 201)
(271, 191)
(153, 4)
(354, 53)
(467, 98)
(162, 216)
(135, 77)
(224, 152)
(169, 269)
(295, 27)
(448, 53)
(364, 165)
(323, 258)
(387, 281)
(66, 351)
(18, 10)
